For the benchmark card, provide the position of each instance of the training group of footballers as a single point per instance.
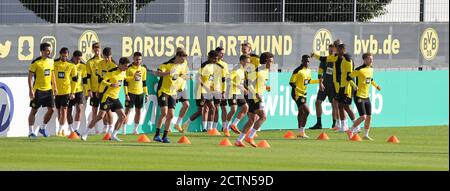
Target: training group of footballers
(66, 83)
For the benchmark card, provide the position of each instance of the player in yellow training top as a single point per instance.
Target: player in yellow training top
(217, 89)
(111, 84)
(246, 49)
(66, 78)
(364, 77)
(167, 92)
(93, 79)
(345, 94)
(256, 86)
(299, 81)
(203, 96)
(220, 99)
(42, 89)
(237, 94)
(326, 87)
(182, 94)
(81, 91)
(135, 90)
(102, 68)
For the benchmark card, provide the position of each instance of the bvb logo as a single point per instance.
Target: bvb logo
(429, 43)
(85, 44)
(322, 39)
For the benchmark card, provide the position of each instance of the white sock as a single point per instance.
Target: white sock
(71, 127)
(135, 127)
(86, 132)
(215, 125)
(241, 137)
(301, 130)
(342, 124)
(236, 121)
(338, 123)
(110, 128)
(31, 129)
(179, 121)
(345, 124)
(366, 133)
(105, 127)
(210, 125)
(205, 124)
(114, 133)
(77, 125)
(225, 125)
(60, 128)
(43, 126)
(252, 133)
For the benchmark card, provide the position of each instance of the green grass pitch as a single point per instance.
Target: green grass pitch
(421, 148)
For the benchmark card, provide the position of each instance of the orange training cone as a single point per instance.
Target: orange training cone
(323, 136)
(214, 132)
(393, 139)
(106, 137)
(184, 140)
(356, 137)
(225, 142)
(289, 135)
(143, 139)
(73, 135)
(263, 144)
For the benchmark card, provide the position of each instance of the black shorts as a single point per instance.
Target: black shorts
(221, 102)
(61, 101)
(252, 106)
(363, 105)
(42, 98)
(111, 104)
(166, 101)
(237, 100)
(300, 101)
(200, 102)
(343, 98)
(135, 100)
(77, 100)
(95, 101)
(204, 98)
(182, 96)
(218, 100)
(329, 92)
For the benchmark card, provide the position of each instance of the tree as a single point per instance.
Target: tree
(333, 10)
(85, 11)
(120, 11)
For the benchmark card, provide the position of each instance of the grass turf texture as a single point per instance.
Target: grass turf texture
(421, 148)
